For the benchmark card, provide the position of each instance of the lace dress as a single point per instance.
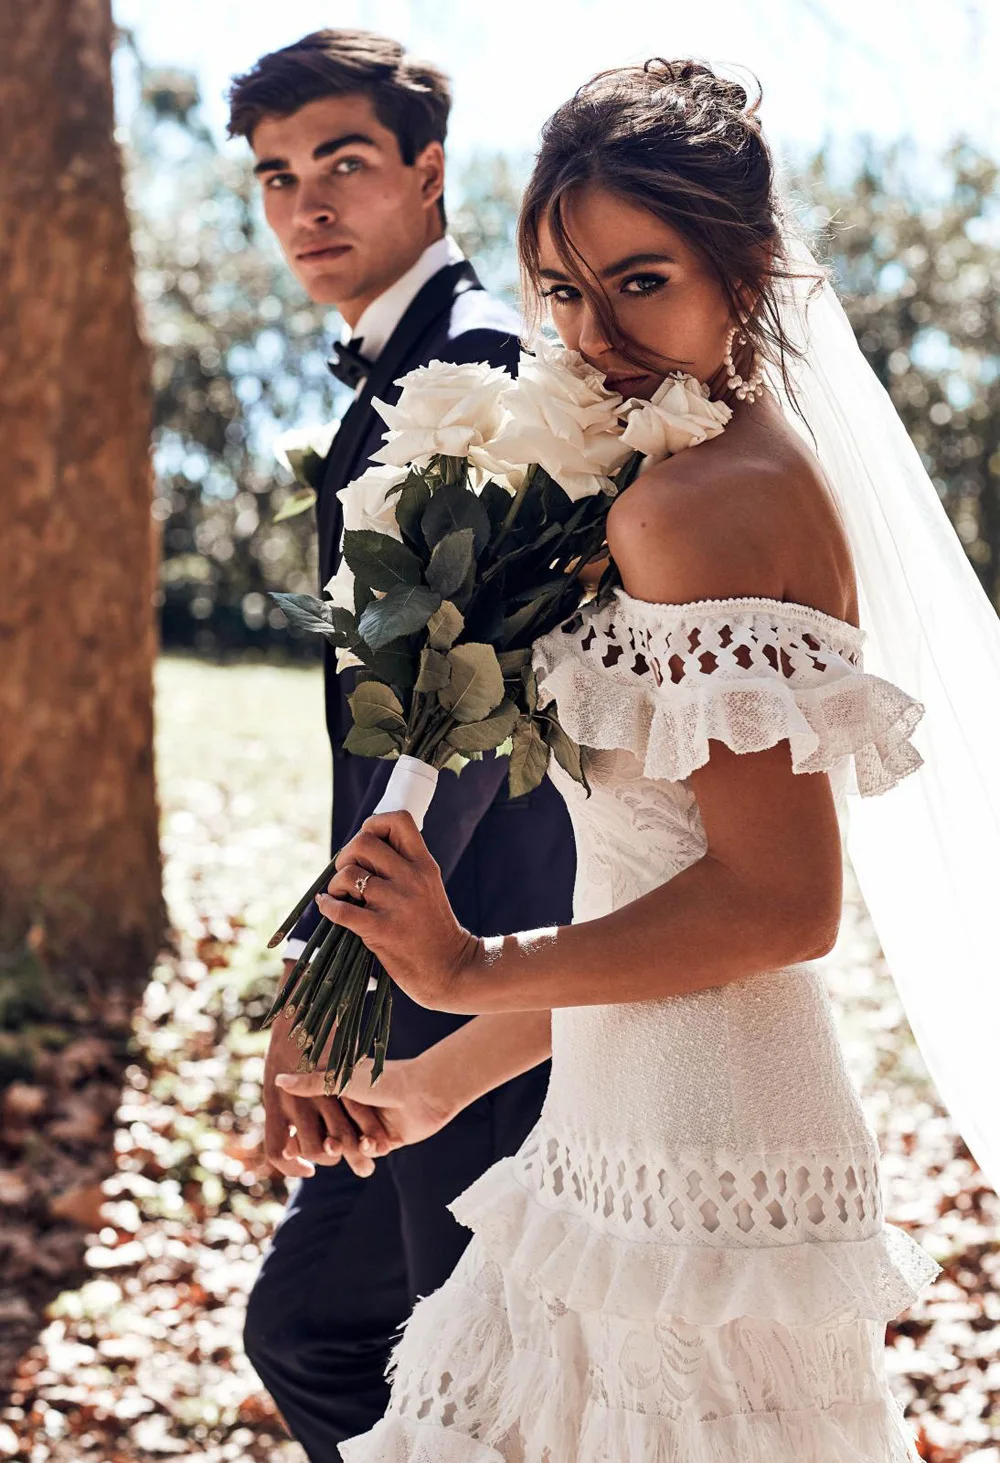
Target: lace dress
(687, 1261)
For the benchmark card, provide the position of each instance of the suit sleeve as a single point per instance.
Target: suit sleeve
(485, 345)
(460, 801)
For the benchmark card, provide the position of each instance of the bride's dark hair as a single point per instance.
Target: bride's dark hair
(679, 140)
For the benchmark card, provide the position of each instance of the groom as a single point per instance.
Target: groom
(348, 135)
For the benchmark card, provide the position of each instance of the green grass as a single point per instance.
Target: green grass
(243, 766)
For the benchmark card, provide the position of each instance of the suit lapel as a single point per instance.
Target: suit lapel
(423, 313)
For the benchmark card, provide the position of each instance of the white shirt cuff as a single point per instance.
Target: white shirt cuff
(292, 949)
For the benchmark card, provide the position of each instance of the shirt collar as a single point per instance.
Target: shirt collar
(380, 318)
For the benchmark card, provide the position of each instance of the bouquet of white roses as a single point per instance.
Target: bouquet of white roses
(465, 545)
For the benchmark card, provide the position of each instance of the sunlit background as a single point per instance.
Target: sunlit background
(130, 1279)
(886, 116)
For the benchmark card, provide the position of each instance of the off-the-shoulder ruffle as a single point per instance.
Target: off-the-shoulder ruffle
(663, 681)
(588, 1269)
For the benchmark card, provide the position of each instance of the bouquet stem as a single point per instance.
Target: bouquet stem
(327, 990)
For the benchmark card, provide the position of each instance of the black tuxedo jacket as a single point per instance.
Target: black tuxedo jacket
(507, 865)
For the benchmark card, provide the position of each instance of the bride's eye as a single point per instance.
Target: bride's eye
(561, 294)
(646, 284)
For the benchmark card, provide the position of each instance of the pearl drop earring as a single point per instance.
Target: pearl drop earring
(745, 390)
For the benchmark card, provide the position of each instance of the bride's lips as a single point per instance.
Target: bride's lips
(624, 385)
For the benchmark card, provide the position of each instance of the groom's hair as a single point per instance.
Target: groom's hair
(409, 97)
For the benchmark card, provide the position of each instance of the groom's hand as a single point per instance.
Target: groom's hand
(299, 1132)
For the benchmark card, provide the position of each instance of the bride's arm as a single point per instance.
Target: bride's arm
(766, 894)
(417, 1097)
(483, 1054)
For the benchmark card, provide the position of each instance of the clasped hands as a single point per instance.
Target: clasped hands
(407, 923)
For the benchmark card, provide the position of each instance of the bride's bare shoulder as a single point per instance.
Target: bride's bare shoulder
(750, 516)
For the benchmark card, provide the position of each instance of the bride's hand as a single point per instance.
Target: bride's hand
(405, 919)
(404, 1101)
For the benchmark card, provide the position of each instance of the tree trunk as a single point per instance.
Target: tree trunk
(79, 861)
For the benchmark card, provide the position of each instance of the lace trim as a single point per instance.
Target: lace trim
(744, 1200)
(588, 1269)
(749, 673)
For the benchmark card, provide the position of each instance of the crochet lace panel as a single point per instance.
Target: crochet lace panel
(663, 681)
(746, 1200)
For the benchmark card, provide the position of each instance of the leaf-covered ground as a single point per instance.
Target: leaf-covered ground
(131, 1215)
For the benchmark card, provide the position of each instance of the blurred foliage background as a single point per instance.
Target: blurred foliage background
(239, 350)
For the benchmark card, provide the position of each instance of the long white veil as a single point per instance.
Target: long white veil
(927, 854)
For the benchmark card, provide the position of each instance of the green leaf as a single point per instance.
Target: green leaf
(373, 704)
(307, 466)
(496, 499)
(445, 626)
(299, 502)
(371, 741)
(454, 507)
(405, 609)
(565, 750)
(395, 664)
(505, 748)
(529, 758)
(515, 624)
(456, 764)
(380, 562)
(451, 562)
(318, 616)
(487, 735)
(363, 597)
(476, 685)
(542, 547)
(435, 671)
(414, 497)
(512, 662)
(541, 589)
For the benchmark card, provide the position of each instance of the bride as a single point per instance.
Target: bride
(687, 1261)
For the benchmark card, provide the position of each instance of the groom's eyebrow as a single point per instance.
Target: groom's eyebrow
(631, 261)
(324, 149)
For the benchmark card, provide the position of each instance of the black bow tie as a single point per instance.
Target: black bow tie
(348, 364)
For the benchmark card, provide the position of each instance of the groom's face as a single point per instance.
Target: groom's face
(350, 215)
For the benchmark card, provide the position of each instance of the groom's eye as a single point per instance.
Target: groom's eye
(279, 180)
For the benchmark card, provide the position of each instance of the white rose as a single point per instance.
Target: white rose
(367, 504)
(291, 447)
(561, 415)
(444, 409)
(678, 415)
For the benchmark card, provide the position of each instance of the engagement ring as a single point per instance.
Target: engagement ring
(360, 883)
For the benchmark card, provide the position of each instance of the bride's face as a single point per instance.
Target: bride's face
(660, 290)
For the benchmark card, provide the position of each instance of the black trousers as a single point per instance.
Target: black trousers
(350, 1258)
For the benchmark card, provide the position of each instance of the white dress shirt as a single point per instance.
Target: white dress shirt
(377, 323)
(380, 318)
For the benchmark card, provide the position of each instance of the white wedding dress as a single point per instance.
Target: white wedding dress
(687, 1261)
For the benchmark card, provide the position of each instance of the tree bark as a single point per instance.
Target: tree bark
(79, 860)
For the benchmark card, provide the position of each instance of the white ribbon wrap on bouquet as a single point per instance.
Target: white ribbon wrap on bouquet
(409, 790)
